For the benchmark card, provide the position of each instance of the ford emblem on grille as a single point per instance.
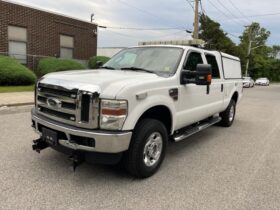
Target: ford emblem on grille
(54, 102)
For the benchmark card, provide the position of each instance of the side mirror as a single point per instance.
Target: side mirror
(99, 64)
(202, 75)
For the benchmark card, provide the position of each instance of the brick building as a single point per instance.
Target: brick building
(28, 34)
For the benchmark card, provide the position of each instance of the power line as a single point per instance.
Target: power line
(139, 29)
(260, 15)
(219, 10)
(171, 34)
(141, 10)
(240, 12)
(243, 16)
(137, 38)
(125, 35)
(203, 12)
(233, 15)
(190, 4)
(202, 8)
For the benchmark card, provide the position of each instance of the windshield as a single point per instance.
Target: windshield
(148, 59)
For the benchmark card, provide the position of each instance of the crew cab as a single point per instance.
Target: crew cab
(128, 109)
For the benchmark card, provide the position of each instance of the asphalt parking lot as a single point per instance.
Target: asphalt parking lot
(219, 168)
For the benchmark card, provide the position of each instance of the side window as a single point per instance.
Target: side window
(193, 59)
(211, 59)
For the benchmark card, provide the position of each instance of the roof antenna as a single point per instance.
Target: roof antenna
(91, 17)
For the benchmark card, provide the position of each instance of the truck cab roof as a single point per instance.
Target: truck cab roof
(216, 53)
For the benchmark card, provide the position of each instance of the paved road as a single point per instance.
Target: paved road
(219, 168)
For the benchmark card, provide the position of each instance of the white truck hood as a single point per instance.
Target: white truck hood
(106, 82)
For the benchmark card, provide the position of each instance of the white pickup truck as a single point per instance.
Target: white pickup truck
(129, 109)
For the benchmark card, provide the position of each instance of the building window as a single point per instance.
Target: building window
(66, 46)
(17, 37)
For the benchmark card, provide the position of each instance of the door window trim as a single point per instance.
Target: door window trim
(216, 62)
(187, 56)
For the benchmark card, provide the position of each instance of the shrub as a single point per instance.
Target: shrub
(13, 73)
(48, 65)
(92, 61)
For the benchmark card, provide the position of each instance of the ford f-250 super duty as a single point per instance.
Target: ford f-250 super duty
(135, 103)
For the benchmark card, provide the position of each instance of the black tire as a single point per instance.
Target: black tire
(227, 118)
(134, 157)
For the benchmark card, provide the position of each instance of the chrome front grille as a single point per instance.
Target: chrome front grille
(73, 107)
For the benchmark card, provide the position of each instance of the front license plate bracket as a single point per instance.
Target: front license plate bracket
(49, 136)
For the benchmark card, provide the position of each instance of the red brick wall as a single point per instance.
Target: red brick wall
(44, 29)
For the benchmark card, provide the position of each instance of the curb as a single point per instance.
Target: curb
(16, 104)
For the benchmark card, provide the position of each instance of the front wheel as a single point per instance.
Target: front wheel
(147, 148)
(228, 115)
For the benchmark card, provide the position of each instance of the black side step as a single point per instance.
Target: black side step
(195, 129)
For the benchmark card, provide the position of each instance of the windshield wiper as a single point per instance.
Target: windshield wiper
(108, 67)
(138, 69)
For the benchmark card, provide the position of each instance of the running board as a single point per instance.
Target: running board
(192, 130)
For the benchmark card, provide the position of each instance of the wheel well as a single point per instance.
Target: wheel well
(161, 113)
(235, 97)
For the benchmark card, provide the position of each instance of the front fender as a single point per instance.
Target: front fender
(139, 107)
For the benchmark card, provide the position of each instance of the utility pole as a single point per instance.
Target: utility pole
(196, 20)
(248, 56)
(249, 49)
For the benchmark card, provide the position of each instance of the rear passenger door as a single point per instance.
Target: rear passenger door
(217, 86)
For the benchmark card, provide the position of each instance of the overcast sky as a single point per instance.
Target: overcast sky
(163, 14)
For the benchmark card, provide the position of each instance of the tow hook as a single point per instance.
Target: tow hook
(76, 159)
(39, 145)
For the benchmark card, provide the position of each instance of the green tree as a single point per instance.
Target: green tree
(260, 53)
(275, 51)
(263, 59)
(215, 38)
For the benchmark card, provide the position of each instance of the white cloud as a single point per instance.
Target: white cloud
(158, 14)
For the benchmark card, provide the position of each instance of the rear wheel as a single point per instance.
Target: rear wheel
(228, 115)
(147, 148)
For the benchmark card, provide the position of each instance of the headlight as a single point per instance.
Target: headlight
(113, 114)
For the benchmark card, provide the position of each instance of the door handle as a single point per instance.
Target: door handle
(222, 87)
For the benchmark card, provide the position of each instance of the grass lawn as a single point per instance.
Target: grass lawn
(9, 89)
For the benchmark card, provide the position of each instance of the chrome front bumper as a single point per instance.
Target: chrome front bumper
(105, 141)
